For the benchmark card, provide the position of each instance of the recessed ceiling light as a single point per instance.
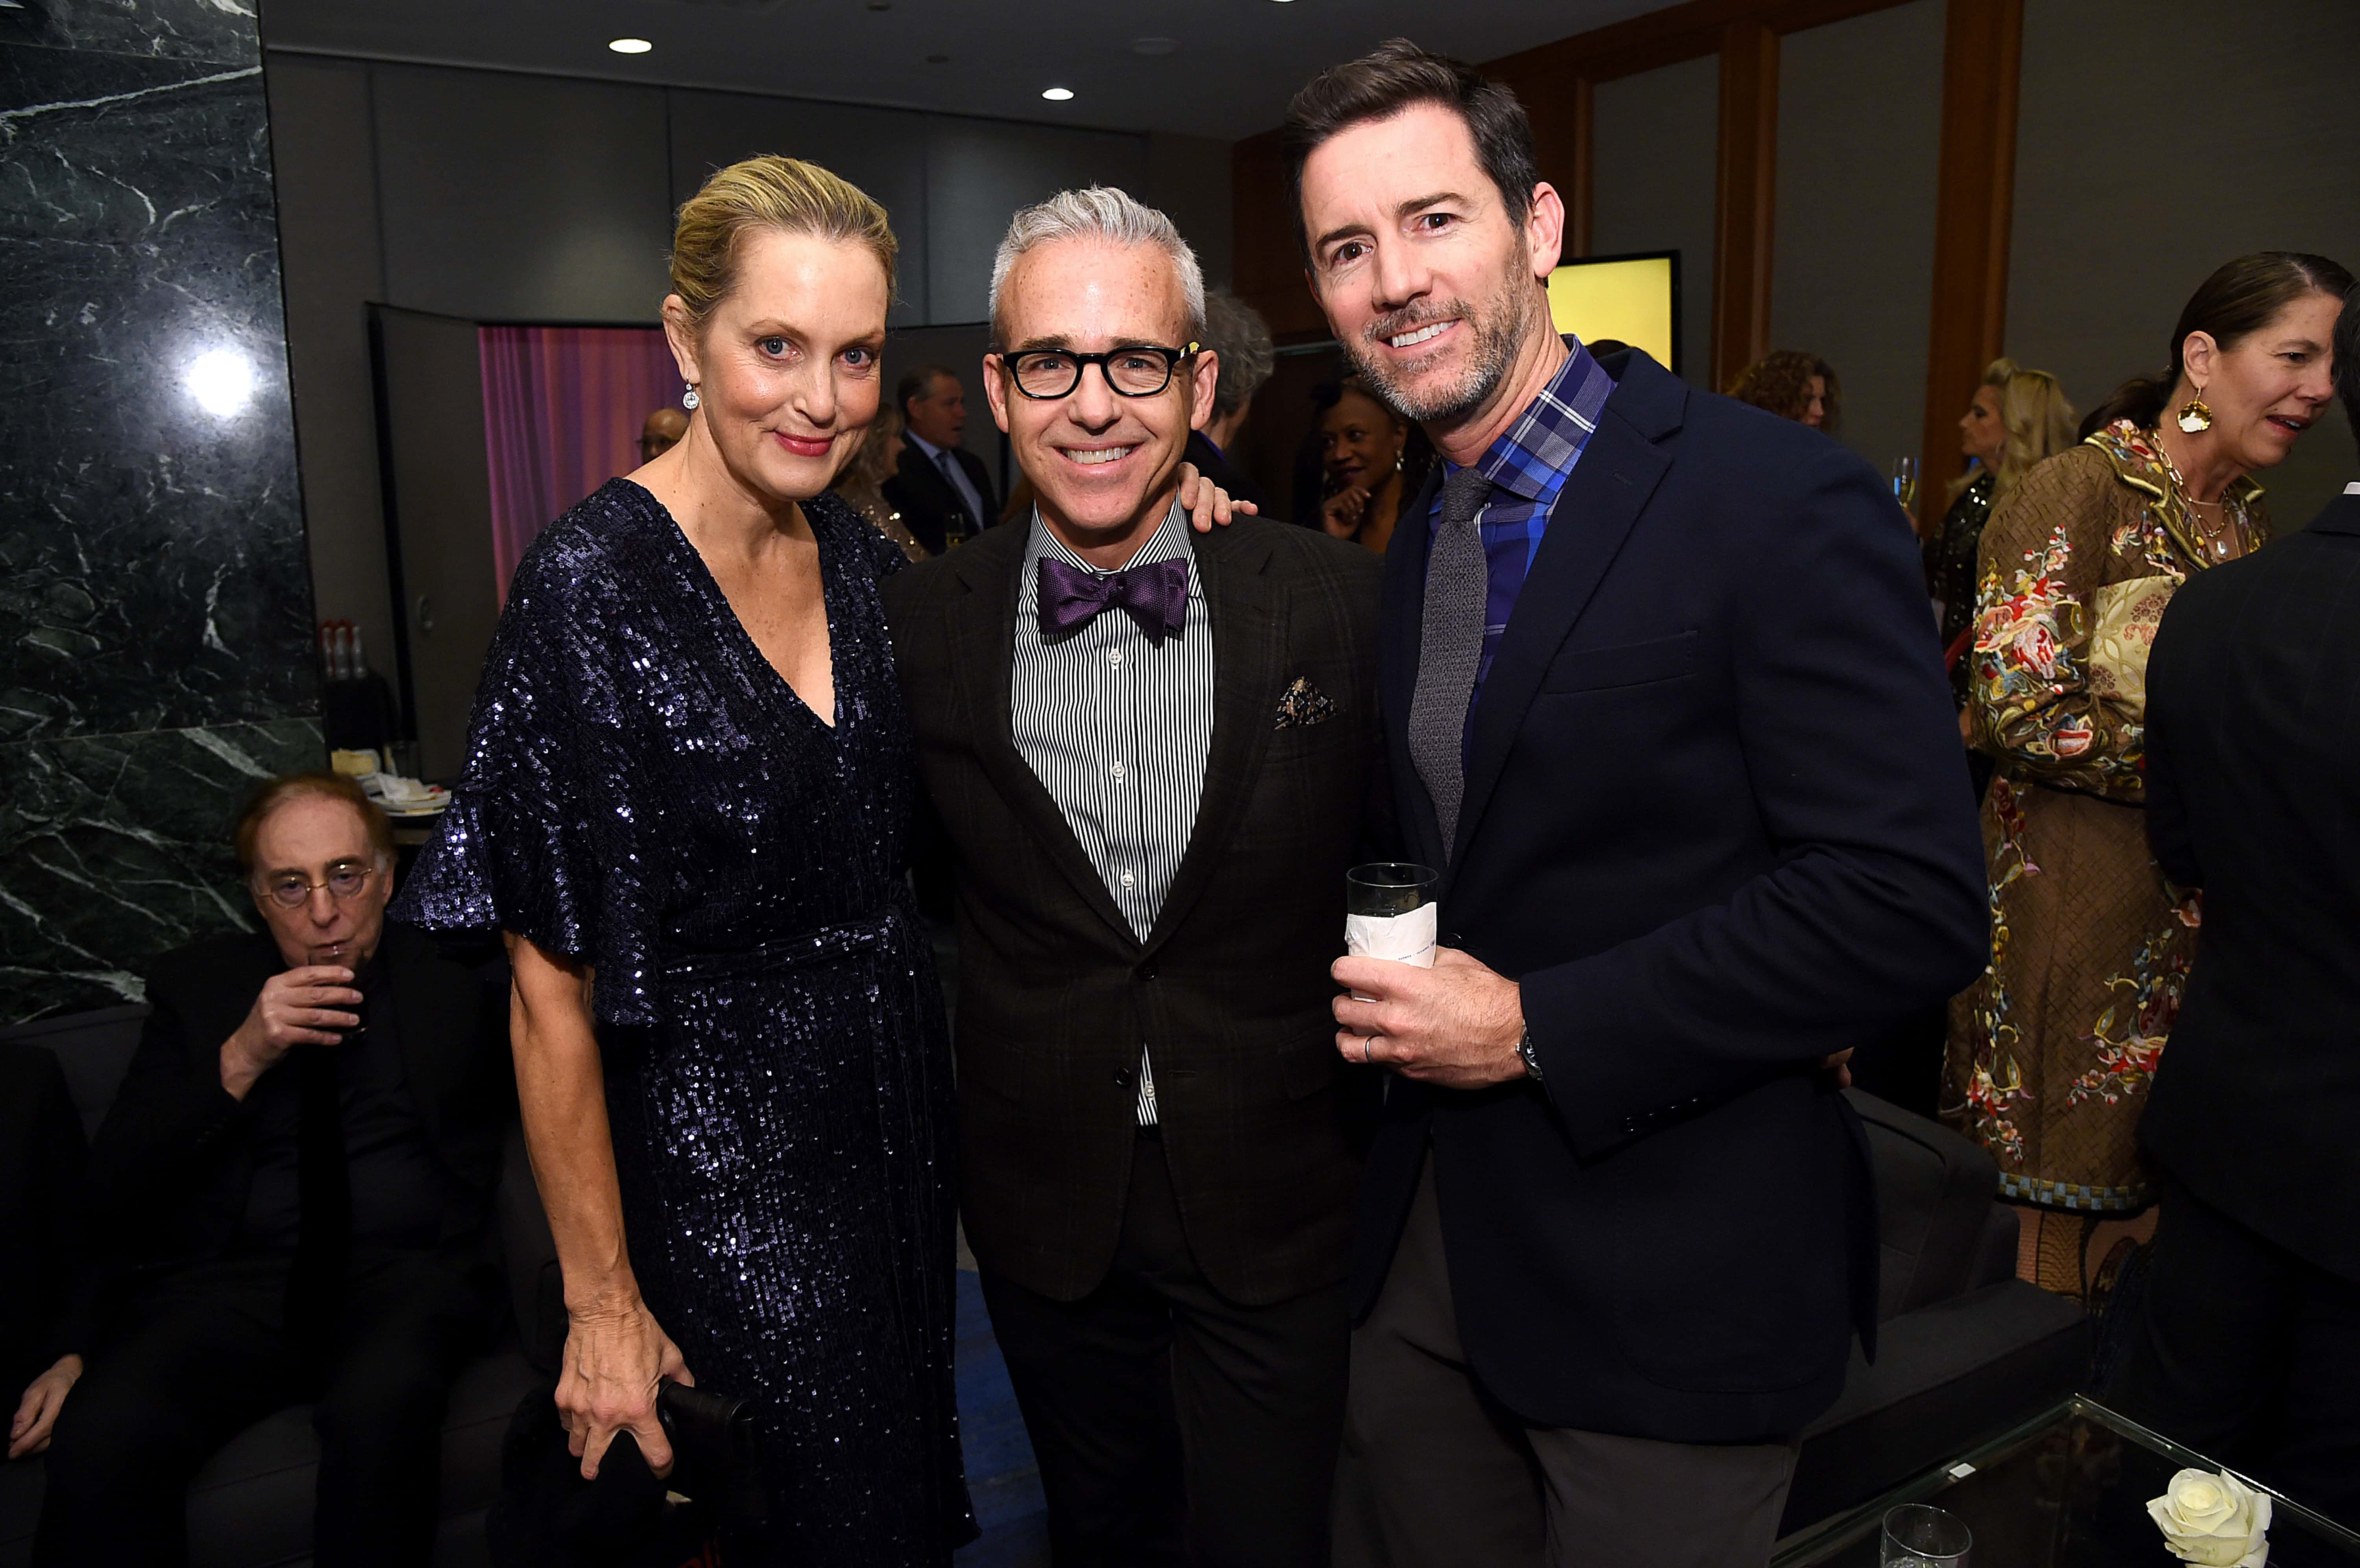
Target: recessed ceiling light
(630, 45)
(1154, 45)
(1056, 94)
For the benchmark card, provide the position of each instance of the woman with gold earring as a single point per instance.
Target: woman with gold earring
(2052, 1051)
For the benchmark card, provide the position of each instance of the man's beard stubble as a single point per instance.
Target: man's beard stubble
(1498, 332)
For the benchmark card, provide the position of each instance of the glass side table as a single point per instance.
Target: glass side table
(2068, 1489)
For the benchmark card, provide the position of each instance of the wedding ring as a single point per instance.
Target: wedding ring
(1366, 1041)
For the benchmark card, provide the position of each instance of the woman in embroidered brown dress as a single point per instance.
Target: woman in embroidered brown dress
(2052, 1051)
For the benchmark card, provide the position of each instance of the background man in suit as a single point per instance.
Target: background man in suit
(2250, 1350)
(942, 490)
(1662, 701)
(1239, 342)
(294, 1177)
(1149, 750)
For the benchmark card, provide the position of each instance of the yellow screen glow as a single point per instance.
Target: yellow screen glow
(1627, 299)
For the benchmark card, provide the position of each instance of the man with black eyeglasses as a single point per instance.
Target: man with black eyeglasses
(290, 1191)
(1150, 750)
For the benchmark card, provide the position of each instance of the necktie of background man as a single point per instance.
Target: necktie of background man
(949, 465)
(1458, 582)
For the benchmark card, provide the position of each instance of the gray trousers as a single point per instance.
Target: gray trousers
(1433, 1474)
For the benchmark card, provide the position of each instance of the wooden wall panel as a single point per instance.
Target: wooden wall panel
(1745, 206)
(1268, 262)
(1975, 196)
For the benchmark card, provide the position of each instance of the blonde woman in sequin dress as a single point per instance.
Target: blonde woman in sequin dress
(2052, 1052)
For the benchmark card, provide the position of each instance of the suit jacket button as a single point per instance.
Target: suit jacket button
(1147, 972)
(1122, 1077)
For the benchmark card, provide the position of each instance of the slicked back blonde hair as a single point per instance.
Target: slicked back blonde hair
(767, 192)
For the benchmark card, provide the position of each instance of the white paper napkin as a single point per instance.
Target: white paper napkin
(1405, 939)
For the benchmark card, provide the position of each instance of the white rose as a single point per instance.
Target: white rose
(2216, 1520)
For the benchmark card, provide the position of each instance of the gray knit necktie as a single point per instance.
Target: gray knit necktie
(1457, 583)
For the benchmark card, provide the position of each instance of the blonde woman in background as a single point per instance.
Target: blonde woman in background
(2018, 418)
(862, 484)
(2053, 1050)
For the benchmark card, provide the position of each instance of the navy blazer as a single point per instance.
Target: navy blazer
(1717, 823)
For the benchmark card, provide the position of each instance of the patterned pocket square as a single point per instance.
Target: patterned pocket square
(1304, 704)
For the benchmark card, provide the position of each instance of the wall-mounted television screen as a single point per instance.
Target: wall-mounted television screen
(1632, 299)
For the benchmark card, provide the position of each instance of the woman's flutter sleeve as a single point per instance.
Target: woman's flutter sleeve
(541, 838)
(2041, 562)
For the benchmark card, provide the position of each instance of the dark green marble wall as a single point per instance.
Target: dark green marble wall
(155, 600)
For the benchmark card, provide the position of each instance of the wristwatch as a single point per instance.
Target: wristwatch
(1530, 1057)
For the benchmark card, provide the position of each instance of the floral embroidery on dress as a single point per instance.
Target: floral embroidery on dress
(2131, 1032)
(1996, 1083)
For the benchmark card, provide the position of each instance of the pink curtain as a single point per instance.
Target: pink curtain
(563, 408)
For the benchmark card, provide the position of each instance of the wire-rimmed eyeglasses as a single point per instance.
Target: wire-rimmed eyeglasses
(1138, 370)
(345, 881)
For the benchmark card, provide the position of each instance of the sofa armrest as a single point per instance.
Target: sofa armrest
(528, 1256)
(1994, 1254)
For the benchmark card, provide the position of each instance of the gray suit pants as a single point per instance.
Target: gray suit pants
(1435, 1473)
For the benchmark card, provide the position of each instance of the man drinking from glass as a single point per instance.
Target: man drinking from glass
(292, 1186)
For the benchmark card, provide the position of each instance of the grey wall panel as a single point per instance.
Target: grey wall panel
(1188, 178)
(2147, 155)
(884, 151)
(1860, 107)
(1656, 146)
(328, 244)
(979, 172)
(522, 197)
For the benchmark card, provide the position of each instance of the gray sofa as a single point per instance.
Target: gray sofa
(251, 1505)
(1965, 1349)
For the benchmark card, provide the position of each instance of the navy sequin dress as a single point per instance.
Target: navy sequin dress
(644, 792)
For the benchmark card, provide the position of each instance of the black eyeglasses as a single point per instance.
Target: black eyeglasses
(1140, 371)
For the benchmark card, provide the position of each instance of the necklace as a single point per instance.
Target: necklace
(2216, 536)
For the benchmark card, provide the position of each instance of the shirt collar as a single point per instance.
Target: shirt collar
(1169, 540)
(2353, 488)
(934, 454)
(1533, 456)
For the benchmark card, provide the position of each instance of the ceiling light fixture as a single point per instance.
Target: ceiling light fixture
(630, 45)
(1057, 95)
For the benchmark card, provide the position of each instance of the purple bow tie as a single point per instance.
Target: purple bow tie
(1155, 595)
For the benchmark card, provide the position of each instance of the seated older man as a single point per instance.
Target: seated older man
(292, 1182)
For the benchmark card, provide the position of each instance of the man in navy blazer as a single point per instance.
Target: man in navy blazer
(1664, 707)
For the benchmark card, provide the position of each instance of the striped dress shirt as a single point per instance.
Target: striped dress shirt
(1117, 731)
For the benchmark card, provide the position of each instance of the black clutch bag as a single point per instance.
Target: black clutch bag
(714, 1456)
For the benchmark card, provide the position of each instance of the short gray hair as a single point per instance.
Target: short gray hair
(1101, 213)
(1235, 331)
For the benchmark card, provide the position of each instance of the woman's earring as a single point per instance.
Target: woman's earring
(689, 399)
(2194, 415)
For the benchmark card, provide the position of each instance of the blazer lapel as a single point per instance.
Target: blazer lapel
(1604, 496)
(1247, 613)
(983, 642)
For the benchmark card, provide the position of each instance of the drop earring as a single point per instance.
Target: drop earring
(689, 399)
(2194, 415)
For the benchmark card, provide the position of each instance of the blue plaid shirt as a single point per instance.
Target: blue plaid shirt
(1530, 461)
